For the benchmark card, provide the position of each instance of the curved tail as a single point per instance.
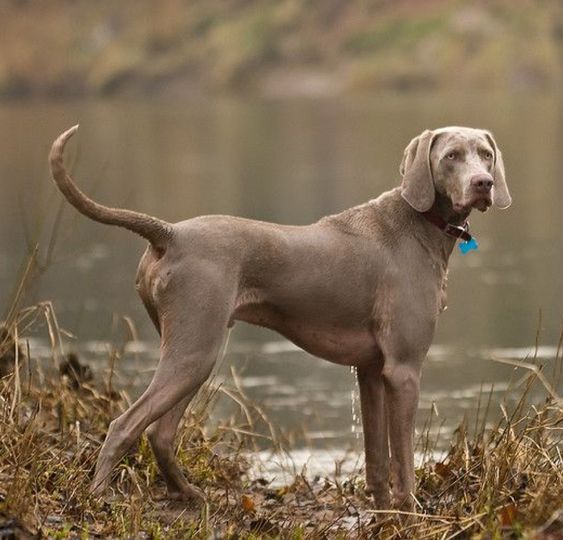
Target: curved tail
(156, 231)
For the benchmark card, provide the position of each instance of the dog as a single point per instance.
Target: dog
(360, 288)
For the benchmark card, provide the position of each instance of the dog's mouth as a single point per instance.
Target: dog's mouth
(480, 202)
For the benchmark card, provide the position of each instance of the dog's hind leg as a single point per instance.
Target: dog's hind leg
(161, 435)
(189, 348)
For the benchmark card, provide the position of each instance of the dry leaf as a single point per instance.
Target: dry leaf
(443, 470)
(507, 515)
(248, 504)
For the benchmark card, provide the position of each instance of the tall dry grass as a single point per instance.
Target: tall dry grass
(498, 481)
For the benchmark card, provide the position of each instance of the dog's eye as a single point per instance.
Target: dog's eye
(488, 155)
(451, 155)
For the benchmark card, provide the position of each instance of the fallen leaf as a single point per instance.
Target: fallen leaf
(443, 470)
(507, 515)
(248, 504)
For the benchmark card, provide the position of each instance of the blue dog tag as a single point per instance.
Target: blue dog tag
(466, 247)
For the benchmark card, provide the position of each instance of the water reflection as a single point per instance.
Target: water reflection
(291, 162)
(310, 403)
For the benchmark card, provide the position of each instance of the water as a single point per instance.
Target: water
(290, 162)
(354, 397)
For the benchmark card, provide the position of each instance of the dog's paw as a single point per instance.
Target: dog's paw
(403, 503)
(380, 497)
(103, 493)
(188, 493)
(97, 489)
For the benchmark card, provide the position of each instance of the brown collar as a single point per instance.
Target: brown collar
(455, 231)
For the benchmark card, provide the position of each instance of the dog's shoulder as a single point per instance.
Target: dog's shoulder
(377, 216)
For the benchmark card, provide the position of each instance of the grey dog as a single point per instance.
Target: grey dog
(360, 288)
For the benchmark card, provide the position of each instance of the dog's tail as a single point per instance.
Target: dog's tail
(156, 231)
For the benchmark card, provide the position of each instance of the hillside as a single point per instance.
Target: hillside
(61, 48)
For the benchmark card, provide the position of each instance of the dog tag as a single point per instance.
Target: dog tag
(466, 247)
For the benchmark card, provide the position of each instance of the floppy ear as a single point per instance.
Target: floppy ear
(501, 196)
(417, 187)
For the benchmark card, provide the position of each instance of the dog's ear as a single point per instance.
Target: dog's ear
(417, 187)
(501, 196)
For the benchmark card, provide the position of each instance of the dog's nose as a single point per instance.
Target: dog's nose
(482, 182)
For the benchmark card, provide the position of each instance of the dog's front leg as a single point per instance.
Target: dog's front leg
(402, 384)
(374, 421)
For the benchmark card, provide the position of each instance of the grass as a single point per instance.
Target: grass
(504, 481)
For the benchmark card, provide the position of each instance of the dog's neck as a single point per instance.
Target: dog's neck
(436, 242)
(450, 225)
(404, 223)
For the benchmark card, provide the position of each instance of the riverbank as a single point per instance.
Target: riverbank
(502, 482)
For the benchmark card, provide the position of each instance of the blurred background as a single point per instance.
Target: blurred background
(69, 48)
(283, 111)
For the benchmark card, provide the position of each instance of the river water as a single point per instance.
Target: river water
(289, 161)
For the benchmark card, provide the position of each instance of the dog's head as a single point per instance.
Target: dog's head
(463, 164)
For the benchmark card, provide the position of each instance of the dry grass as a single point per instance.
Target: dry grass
(500, 482)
